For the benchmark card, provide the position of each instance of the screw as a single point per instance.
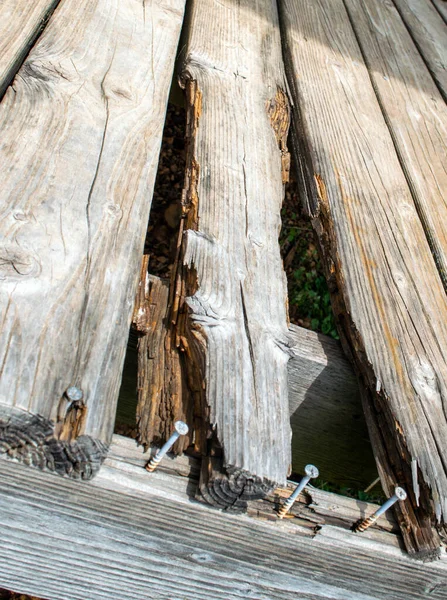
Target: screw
(74, 393)
(399, 494)
(311, 473)
(181, 428)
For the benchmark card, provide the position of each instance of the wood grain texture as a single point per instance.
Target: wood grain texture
(229, 291)
(326, 414)
(441, 7)
(414, 111)
(21, 22)
(387, 295)
(81, 132)
(429, 31)
(61, 541)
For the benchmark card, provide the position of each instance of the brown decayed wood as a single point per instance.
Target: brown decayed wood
(387, 294)
(81, 131)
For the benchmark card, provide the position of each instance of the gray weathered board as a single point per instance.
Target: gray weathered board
(441, 7)
(387, 293)
(140, 536)
(21, 22)
(429, 32)
(413, 108)
(228, 299)
(81, 130)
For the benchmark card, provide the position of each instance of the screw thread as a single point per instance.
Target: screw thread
(153, 463)
(284, 509)
(363, 525)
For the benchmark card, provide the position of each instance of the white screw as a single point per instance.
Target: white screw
(311, 473)
(181, 428)
(399, 494)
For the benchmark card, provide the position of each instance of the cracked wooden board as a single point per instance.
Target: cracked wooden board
(228, 295)
(387, 294)
(21, 22)
(81, 131)
(65, 540)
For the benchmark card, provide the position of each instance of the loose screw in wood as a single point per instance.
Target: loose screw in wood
(399, 494)
(181, 428)
(74, 393)
(311, 473)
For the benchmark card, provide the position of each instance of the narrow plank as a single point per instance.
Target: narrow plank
(387, 295)
(441, 7)
(326, 415)
(58, 540)
(21, 23)
(228, 297)
(429, 32)
(81, 132)
(401, 80)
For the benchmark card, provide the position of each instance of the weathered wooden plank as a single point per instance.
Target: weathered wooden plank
(441, 7)
(429, 32)
(387, 294)
(81, 132)
(21, 22)
(228, 297)
(61, 541)
(401, 80)
(326, 415)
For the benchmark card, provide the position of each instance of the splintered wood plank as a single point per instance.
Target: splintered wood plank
(228, 299)
(326, 415)
(429, 31)
(414, 110)
(66, 541)
(387, 294)
(81, 133)
(21, 22)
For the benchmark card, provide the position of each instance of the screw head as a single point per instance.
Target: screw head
(400, 493)
(311, 471)
(181, 427)
(74, 393)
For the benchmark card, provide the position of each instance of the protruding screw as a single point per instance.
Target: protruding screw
(311, 473)
(181, 428)
(74, 393)
(399, 494)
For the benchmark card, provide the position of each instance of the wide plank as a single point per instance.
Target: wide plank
(386, 291)
(61, 541)
(429, 32)
(228, 295)
(21, 22)
(81, 132)
(413, 108)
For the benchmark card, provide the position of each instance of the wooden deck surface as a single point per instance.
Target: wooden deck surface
(83, 89)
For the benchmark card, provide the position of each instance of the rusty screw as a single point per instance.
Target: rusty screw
(181, 428)
(399, 494)
(311, 473)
